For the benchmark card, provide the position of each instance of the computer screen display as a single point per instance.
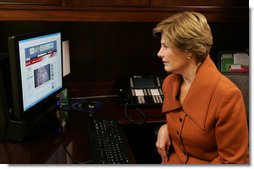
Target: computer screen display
(36, 68)
(40, 65)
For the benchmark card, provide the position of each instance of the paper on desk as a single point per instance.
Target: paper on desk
(241, 58)
(66, 58)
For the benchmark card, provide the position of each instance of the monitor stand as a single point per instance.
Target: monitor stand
(9, 129)
(12, 128)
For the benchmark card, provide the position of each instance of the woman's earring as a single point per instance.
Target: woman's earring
(188, 55)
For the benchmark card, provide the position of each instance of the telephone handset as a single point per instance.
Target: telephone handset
(144, 90)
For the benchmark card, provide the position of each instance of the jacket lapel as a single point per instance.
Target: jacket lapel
(198, 98)
(170, 92)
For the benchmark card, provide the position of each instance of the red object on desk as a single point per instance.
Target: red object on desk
(239, 68)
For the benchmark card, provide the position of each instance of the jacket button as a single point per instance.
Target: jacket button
(177, 132)
(180, 119)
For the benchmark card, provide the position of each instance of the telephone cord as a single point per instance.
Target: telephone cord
(126, 114)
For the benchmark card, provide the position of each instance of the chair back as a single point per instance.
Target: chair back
(241, 80)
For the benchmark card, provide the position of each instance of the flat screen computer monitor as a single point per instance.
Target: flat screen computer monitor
(36, 71)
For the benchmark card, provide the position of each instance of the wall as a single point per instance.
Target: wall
(111, 51)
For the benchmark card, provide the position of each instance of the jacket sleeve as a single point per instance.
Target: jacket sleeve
(231, 129)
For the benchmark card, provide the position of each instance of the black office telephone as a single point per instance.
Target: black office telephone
(143, 91)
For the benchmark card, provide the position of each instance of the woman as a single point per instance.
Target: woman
(205, 113)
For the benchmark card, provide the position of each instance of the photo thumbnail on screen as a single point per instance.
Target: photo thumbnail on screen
(42, 75)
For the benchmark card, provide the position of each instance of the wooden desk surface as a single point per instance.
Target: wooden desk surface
(72, 144)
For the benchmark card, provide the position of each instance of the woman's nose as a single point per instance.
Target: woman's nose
(159, 54)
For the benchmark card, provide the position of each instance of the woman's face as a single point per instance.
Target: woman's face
(174, 60)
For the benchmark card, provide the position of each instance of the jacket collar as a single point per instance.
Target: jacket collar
(197, 100)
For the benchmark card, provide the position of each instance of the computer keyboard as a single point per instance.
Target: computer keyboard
(108, 143)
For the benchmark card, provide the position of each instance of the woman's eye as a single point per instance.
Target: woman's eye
(165, 46)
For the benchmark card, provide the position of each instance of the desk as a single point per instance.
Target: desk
(72, 145)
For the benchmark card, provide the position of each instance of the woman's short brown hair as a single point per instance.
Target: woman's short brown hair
(187, 31)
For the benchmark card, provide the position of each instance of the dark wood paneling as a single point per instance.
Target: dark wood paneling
(31, 2)
(170, 3)
(120, 10)
(103, 51)
(110, 15)
(103, 54)
(84, 3)
(238, 3)
(201, 3)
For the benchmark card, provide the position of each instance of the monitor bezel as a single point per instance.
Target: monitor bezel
(16, 79)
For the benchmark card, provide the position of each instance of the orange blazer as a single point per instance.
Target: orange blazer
(210, 126)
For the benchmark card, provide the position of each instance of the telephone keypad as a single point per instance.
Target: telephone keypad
(154, 93)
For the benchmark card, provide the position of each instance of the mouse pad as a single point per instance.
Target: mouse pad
(78, 106)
